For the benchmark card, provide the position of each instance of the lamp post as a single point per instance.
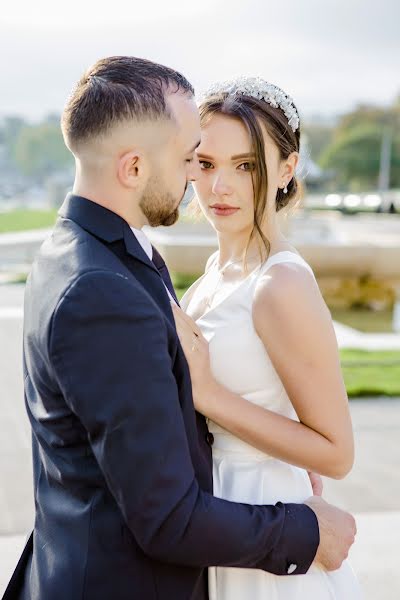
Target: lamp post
(383, 186)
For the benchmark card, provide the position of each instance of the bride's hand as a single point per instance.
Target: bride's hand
(316, 483)
(195, 347)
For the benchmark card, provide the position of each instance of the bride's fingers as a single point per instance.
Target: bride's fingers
(179, 320)
(179, 312)
(188, 320)
(185, 333)
(183, 338)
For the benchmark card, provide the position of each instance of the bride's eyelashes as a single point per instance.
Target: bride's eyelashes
(245, 166)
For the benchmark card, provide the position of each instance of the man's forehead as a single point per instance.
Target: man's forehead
(181, 103)
(187, 120)
(194, 146)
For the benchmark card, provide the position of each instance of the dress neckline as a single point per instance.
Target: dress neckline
(245, 280)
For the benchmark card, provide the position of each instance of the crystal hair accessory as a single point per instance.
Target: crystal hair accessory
(256, 87)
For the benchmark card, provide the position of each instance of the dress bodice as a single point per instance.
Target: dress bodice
(239, 360)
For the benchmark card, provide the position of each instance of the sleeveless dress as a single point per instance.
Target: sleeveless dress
(242, 473)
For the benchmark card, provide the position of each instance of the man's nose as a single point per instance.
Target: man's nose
(194, 169)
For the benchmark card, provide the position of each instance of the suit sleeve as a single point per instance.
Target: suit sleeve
(109, 348)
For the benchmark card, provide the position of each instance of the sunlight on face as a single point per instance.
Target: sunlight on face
(225, 188)
(177, 159)
(173, 162)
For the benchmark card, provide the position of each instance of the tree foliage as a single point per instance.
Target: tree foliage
(40, 149)
(355, 149)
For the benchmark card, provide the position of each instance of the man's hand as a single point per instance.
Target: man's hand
(337, 530)
(316, 483)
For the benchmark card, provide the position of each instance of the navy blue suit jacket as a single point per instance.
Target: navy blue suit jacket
(122, 467)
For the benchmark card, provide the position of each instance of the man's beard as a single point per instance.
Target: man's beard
(159, 207)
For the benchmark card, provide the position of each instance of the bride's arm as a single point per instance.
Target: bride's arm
(295, 326)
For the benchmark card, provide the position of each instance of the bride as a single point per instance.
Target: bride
(258, 336)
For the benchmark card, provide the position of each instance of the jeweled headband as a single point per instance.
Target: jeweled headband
(256, 87)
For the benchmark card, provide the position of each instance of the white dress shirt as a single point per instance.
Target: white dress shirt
(148, 248)
(143, 241)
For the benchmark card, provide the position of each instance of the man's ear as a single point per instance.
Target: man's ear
(132, 171)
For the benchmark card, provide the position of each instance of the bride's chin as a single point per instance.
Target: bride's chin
(224, 224)
(231, 228)
(225, 228)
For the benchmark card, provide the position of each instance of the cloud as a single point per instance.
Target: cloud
(328, 55)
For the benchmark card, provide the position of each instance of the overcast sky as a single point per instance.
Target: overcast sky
(328, 54)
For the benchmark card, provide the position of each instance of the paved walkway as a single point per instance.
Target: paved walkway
(371, 491)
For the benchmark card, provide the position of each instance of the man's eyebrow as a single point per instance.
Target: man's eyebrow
(204, 155)
(234, 157)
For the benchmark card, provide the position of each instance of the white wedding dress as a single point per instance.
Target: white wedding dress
(241, 473)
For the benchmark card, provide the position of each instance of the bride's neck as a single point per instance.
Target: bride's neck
(232, 246)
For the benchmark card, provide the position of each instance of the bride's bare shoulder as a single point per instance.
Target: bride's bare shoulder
(285, 290)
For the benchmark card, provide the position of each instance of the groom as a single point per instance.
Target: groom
(122, 464)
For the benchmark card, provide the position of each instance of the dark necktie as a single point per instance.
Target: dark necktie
(163, 270)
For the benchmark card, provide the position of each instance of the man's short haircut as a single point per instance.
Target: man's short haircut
(116, 89)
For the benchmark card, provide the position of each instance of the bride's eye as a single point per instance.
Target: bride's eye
(247, 166)
(205, 165)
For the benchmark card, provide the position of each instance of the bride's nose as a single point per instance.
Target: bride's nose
(221, 185)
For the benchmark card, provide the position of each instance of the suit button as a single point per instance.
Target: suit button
(209, 438)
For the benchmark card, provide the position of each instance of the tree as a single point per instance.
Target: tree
(354, 153)
(10, 128)
(319, 137)
(40, 149)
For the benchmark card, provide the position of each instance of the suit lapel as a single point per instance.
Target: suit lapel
(150, 279)
(116, 234)
(134, 248)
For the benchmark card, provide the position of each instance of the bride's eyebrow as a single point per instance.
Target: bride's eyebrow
(240, 156)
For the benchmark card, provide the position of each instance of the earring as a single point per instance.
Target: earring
(285, 189)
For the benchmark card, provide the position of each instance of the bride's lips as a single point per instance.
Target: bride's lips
(223, 210)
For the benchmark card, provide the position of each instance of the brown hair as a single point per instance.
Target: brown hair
(251, 112)
(114, 89)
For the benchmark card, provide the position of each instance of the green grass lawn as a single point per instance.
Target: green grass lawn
(371, 373)
(182, 282)
(180, 292)
(24, 219)
(369, 321)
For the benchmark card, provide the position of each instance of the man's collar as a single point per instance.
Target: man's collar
(93, 217)
(143, 241)
(103, 223)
